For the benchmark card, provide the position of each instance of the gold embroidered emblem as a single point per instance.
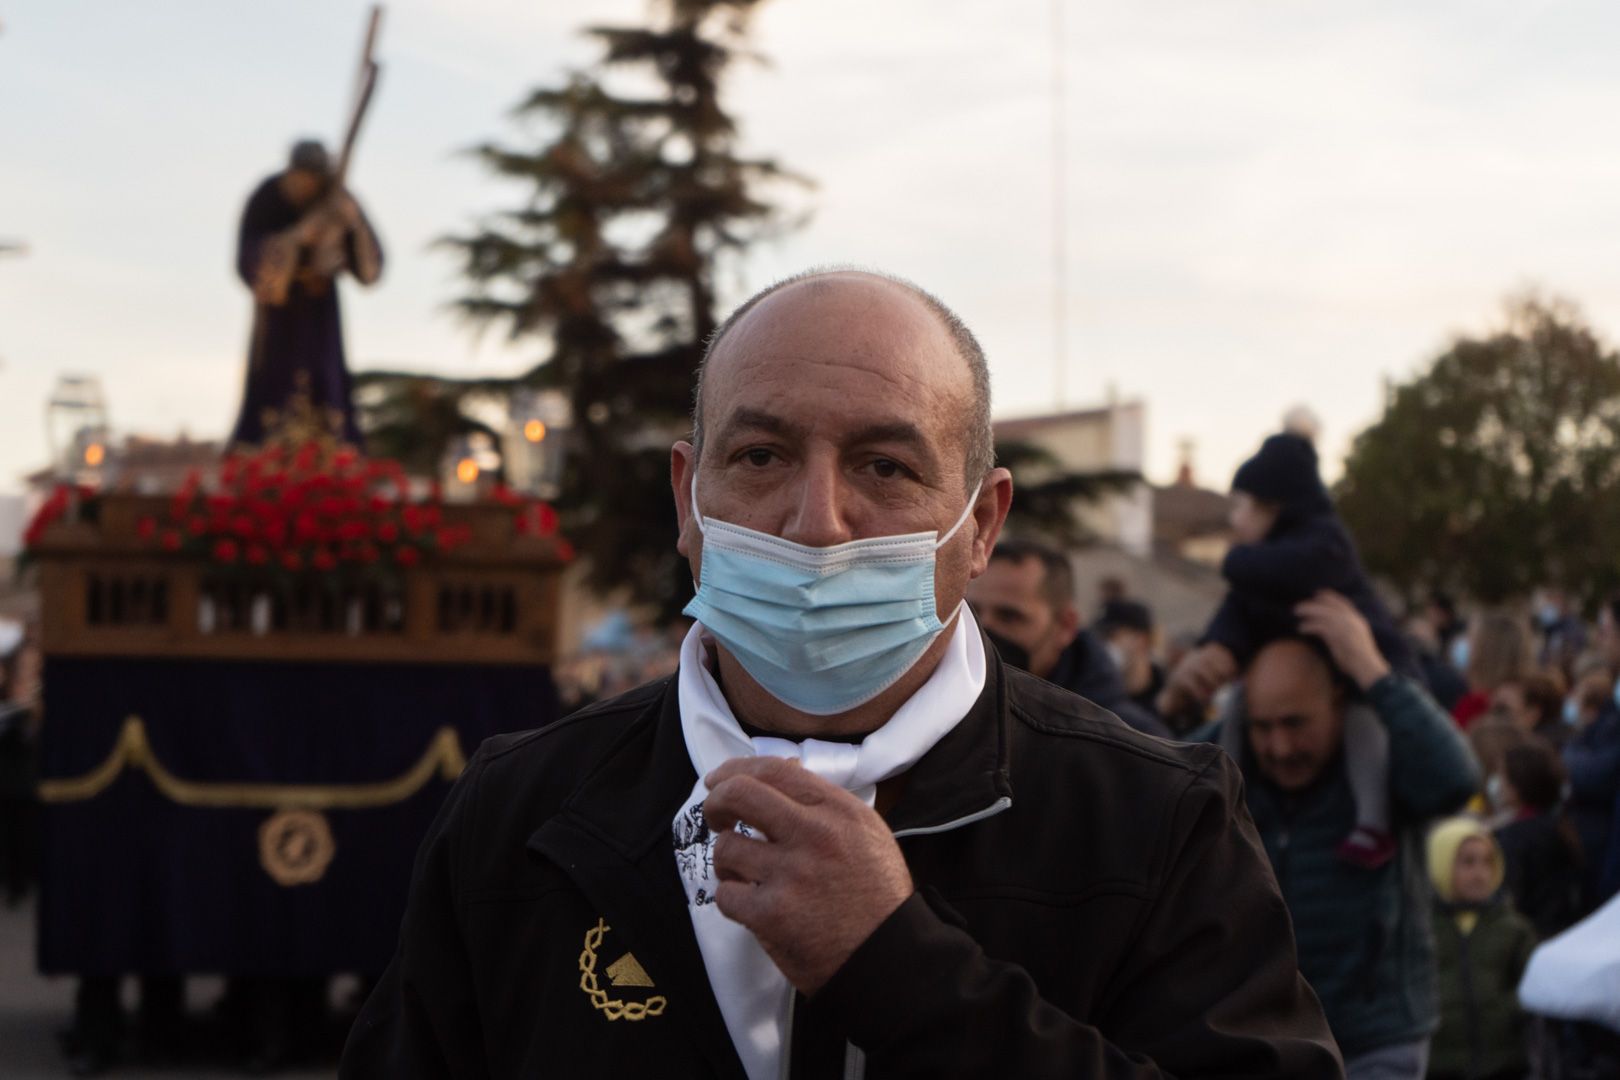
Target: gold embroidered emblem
(296, 847)
(626, 971)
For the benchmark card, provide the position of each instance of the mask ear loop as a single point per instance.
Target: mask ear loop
(942, 541)
(696, 516)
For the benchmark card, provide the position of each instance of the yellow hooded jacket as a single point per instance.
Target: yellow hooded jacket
(1444, 843)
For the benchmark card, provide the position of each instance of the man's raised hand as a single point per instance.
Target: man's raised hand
(828, 875)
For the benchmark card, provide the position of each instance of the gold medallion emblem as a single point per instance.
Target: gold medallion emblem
(625, 971)
(296, 847)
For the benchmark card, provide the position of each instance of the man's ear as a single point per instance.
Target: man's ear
(989, 515)
(1068, 623)
(683, 465)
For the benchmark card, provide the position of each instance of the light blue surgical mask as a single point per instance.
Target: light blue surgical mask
(821, 629)
(1459, 653)
(1572, 712)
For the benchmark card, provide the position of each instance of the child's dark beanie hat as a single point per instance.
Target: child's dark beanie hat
(1284, 471)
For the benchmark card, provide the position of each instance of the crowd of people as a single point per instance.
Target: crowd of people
(1477, 756)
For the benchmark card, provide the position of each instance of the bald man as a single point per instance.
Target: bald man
(844, 840)
(1363, 934)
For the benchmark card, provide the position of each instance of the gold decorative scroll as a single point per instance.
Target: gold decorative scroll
(443, 757)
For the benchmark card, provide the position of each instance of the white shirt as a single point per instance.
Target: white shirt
(754, 997)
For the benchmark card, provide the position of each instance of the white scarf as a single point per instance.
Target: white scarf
(755, 997)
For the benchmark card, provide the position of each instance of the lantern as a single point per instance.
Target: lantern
(78, 430)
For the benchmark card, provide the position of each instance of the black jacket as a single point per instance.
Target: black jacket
(1308, 550)
(1542, 871)
(1086, 669)
(1092, 903)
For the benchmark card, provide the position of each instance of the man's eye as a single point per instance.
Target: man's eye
(885, 468)
(758, 458)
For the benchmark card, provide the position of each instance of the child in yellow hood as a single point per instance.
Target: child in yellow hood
(1481, 948)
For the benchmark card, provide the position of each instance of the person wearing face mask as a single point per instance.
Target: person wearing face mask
(1025, 602)
(1127, 626)
(844, 839)
(1563, 634)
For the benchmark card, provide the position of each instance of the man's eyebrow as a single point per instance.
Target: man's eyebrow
(746, 419)
(898, 432)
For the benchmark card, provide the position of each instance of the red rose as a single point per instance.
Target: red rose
(388, 532)
(257, 554)
(565, 551)
(505, 496)
(354, 530)
(368, 553)
(292, 560)
(323, 560)
(225, 551)
(146, 527)
(545, 519)
(197, 525)
(275, 532)
(244, 526)
(171, 540)
(407, 556)
(221, 504)
(306, 526)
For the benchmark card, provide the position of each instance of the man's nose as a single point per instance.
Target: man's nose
(816, 515)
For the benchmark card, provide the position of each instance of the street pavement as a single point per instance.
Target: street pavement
(34, 1008)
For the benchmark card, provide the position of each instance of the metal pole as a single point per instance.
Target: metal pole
(1060, 252)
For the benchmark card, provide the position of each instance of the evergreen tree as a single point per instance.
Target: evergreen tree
(638, 196)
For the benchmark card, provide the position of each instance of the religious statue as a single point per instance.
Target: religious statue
(300, 230)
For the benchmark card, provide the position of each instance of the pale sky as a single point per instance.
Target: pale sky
(1269, 203)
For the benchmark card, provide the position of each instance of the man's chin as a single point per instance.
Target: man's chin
(1293, 778)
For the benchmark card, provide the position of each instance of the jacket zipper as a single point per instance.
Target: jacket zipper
(979, 815)
(854, 1056)
(787, 1036)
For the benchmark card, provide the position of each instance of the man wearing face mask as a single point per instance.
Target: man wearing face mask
(844, 840)
(1024, 601)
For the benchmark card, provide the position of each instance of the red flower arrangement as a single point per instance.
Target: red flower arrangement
(317, 507)
(54, 509)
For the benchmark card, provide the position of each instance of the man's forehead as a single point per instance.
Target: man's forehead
(1286, 674)
(1010, 580)
(831, 329)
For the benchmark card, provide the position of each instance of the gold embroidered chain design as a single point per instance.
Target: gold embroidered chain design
(612, 1008)
(134, 751)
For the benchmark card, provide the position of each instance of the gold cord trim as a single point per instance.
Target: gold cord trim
(612, 1008)
(133, 751)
